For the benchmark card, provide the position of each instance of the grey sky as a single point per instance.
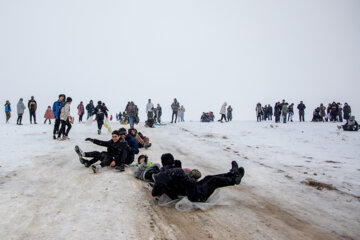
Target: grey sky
(201, 52)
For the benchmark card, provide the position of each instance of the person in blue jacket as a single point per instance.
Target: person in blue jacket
(133, 146)
(7, 110)
(57, 106)
(90, 108)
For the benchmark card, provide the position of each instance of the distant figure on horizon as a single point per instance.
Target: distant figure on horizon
(81, 111)
(32, 106)
(229, 113)
(7, 110)
(48, 115)
(181, 113)
(20, 111)
(223, 112)
(175, 108)
(301, 107)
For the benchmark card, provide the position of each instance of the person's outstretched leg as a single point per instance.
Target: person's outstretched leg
(209, 184)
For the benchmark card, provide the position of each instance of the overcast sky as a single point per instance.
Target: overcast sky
(202, 52)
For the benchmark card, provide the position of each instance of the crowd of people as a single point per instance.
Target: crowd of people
(168, 178)
(283, 112)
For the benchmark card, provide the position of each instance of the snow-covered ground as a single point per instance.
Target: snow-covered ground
(302, 181)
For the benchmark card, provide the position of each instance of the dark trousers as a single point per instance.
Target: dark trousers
(19, 119)
(302, 116)
(258, 118)
(104, 157)
(8, 116)
(81, 117)
(174, 114)
(32, 115)
(210, 183)
(64, 124)
(100, 123)
(223, 117)
(47, 119)
(56, 126)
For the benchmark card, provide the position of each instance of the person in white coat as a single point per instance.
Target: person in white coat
(149, 109)
(223, 112)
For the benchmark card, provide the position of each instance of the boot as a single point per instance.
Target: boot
(147, 145)
(96, 168)
(120, 168)
(237, 172)
(80, 153)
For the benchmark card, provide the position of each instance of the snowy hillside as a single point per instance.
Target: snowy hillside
(302, 181)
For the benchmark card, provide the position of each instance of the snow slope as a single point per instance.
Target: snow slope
(47, 194)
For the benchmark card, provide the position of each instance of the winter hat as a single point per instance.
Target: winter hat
(167, 159)
(122, 131)
(196, 174)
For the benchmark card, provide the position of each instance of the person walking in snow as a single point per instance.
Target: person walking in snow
(7, 110)
(115, 156)
(32, 106)
(20, 111)
(223, 112)
(100, 113)
(65, 120)
(175, 108)
(48, 115)
(90, 109)
(57, 107)
(81, 111)
(301, 107)
(181, 113)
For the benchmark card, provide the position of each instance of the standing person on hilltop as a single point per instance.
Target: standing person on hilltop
(7, 110)
(229, 113)
(340, 110)
(48, 115)
(291, 112)
(175, 108)
(158, 113)
(284, 111)
(223, 112)
(149, 108)
(181, 113)
(32, 106)
(81, 111)
(270, 112)
(65, 120)
(90, 108)
(301, 107)
(258, 110)
(347, 112)
(100, 113)
(277, 112)
(20, 111)
(57, 106)
(131, 110)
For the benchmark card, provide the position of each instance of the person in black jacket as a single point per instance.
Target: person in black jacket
(174, 182)
(32, 106)
(351, 125)
(270, 112)
(115, 156)
(100, 111)
(277, 112)
(347, 111)
(90, 108)
(133, 147)
(301, 107)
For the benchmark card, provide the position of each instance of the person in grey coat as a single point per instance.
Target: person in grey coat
(223, 112)
(158, 113)
(181, 113)
(20, 111)
(175, 108)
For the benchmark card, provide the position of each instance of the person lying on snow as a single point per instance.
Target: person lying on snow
(351, 125)
(115, 156)
(142, 140)
(175, 183)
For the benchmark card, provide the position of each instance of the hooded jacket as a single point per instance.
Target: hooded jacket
(223, 109)
(20, 107)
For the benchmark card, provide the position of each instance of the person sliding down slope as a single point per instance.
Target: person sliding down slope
(174, 183)
(115, 156)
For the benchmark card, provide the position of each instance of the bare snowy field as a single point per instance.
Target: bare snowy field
(302, 181)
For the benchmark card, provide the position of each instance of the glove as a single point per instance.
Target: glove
(89, 139)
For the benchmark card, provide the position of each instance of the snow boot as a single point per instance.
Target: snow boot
(79, 152)
(99, 131)
(147, 145)
(237, 172)
(120, 168)
(95, 168)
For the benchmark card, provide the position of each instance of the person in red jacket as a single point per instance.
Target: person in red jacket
(81, 111)
(49, 115)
